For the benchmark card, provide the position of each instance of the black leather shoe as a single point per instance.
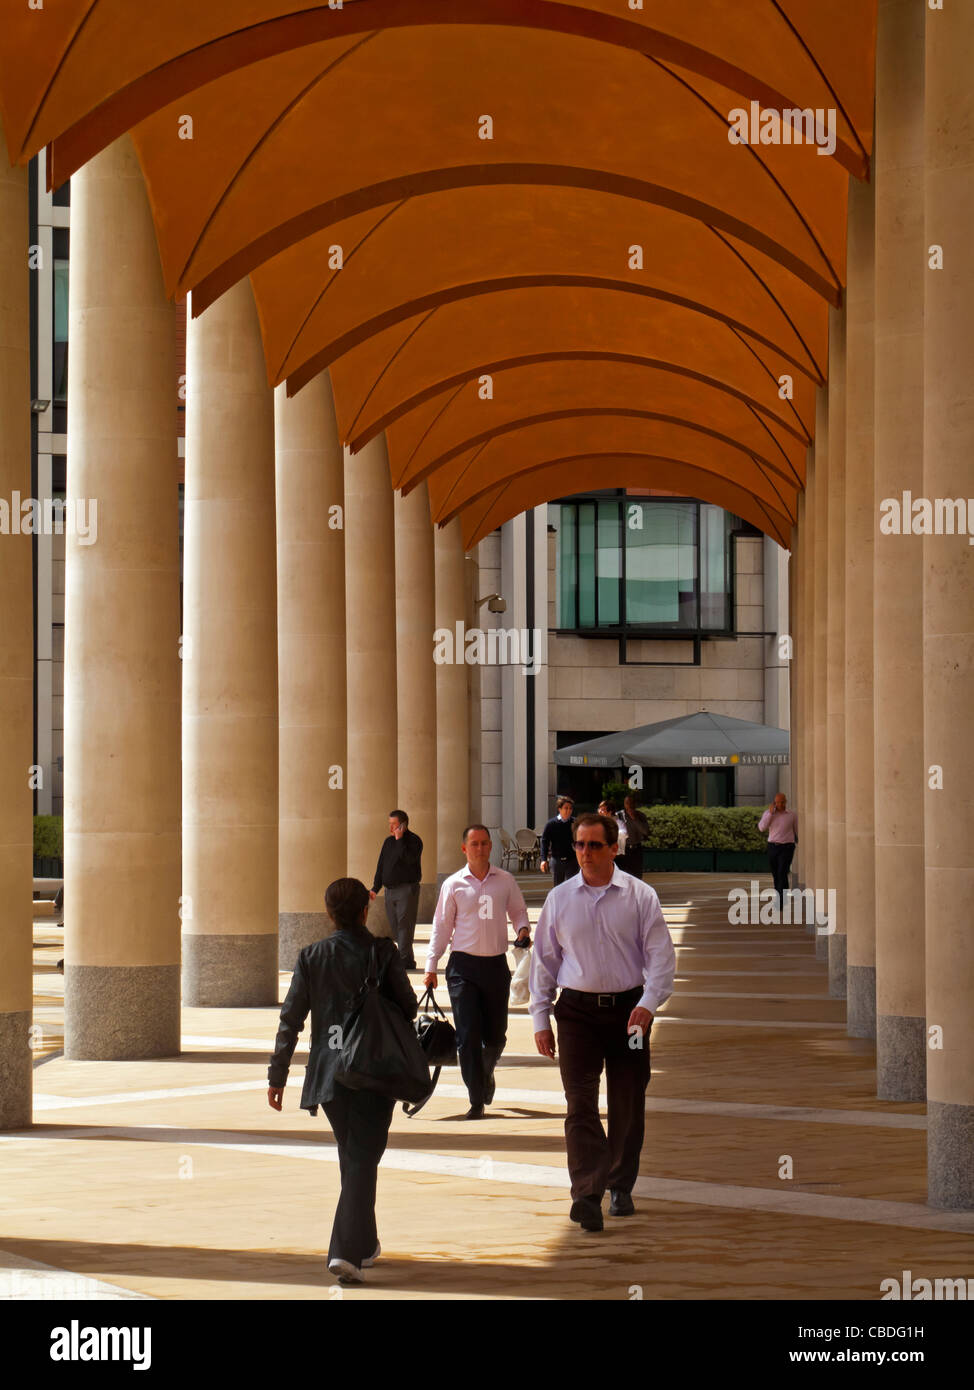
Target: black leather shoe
(621, 1204)
(476, 1112)
(490, 1086)
(587, 1211)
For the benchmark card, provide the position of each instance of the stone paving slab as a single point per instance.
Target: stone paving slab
(171, 1178)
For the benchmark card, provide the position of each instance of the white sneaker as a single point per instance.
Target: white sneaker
(367, 1264)
(345, 1272)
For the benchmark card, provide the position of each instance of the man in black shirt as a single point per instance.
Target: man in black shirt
(556, 843)
(399, 872)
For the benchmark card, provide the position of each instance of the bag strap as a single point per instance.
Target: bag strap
(430, 998)
(412, 1110)
(372, 979)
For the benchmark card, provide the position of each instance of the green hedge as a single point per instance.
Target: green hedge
(700, 827)
(47, 837)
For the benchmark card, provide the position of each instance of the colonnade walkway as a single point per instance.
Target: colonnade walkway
(172, 1178)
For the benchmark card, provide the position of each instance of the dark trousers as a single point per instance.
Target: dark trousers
(563, 868)
(402, 907)
(590, 1038)
(360, 1122)
(480, 988)
(632, 861)
(780, 857)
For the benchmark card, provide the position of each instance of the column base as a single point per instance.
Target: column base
(837, 965)
(861, 1010)
(295, 930)
(901, 1058)
(230, 972)
(950, 1156)
(378, 919)
(428, 894)
(120, 1013)
(15, 1070)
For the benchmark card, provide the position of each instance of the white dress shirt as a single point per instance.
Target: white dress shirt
(601, 941)
(472, 913)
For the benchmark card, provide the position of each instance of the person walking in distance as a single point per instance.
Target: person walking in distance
(602, 941)
(637, 830)
(399, 871)
(556, 842)
(472, 913)
(782, 828)
(327, 975)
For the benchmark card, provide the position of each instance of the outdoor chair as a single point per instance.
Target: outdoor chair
(528, 849)
(509, 850)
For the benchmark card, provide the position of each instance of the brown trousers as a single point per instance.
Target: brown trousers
(590, 1038)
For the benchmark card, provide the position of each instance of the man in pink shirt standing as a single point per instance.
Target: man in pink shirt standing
(782, 827)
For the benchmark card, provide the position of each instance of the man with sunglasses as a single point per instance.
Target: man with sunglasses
(602, 941)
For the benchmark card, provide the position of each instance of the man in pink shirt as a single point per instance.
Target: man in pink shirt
(782, 827)
(471, 916)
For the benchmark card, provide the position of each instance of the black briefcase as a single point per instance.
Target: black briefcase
(438, 1039)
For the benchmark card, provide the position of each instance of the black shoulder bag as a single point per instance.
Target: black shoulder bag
(380, 1050)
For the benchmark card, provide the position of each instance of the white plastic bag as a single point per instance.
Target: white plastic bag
(522, 970)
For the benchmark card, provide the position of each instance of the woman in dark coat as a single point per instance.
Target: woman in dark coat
(327, 976)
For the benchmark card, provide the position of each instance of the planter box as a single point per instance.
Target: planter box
(48, 868)
(741, 861)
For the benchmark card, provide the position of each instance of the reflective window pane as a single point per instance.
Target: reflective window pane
(586, 564)
(661, 565)
(609, 564)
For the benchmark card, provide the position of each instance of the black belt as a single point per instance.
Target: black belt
(603, 1001)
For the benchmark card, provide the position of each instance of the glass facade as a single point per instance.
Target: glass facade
(655, 564)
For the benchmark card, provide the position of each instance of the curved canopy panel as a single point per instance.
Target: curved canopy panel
(259, 174)
(394, 371)
(460, 419)
(88, 70)
(483, 468)
(329, 292)
(562, 477)
(525, 236)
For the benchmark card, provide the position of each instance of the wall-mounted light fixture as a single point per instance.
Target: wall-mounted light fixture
(494, 602)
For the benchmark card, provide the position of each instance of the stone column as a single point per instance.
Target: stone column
(948, 609)
(121, 628)
(796, 592)
(823, 481)
(16, 656)
(371, 779)
(452, 708)
(416, 708)
(471, 572)
(230, 709)
(897, 559)
(311, 657)
(860, 875)
(808, 823)
(836, 649)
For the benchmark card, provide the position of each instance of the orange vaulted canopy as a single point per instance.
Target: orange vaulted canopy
(525, 237)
